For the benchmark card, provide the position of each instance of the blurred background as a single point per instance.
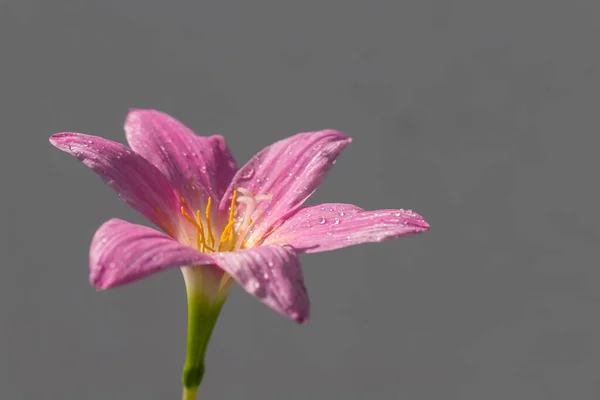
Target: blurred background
(480, 115)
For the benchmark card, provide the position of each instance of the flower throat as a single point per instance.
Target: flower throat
(232, 236)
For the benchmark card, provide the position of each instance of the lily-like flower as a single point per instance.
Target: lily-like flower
(221, 224)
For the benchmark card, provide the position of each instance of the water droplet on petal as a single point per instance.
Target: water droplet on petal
(266, 276)
(342, 213)
(336, 221)
(322, 220)
(247, 173)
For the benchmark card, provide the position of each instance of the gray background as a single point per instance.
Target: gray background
(480, 115)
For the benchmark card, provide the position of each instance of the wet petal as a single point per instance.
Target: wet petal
(123, 252)
(273, 275)
(198, 167)
(289, 170)
(135, 180)
(332, 226)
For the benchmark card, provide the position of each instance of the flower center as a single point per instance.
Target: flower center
(234, 232)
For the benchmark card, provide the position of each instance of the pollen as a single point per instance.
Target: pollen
(211, 238)
(234, 233)
(227, 234)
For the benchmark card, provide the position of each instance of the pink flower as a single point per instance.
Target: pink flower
(221, 222)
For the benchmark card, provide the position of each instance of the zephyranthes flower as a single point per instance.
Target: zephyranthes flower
(221, 223)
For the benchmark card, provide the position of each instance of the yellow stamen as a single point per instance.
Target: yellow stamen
(200, 240)
(201, 231)
(227, 234)
(211, 238)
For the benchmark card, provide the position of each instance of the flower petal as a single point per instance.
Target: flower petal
(290, 170)
(198, 167)
(136, 181)
(332, 226)
(273, 275)
(122, 252)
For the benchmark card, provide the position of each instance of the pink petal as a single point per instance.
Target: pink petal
(290, 170)
(198, 167)
(137, 182)
(273, 275)
(332, 226)
(123, 252)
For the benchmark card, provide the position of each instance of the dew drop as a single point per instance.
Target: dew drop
(336, 221)
(342, 213)
(248, 173)
(266, 276)
(322, 220)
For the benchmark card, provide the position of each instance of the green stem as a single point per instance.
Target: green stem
(189, 394)
(202, 317)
